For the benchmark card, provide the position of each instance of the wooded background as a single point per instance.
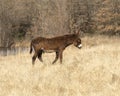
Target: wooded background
(26, 19)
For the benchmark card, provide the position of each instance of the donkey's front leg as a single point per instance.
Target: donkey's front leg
(61, 56)
(56, 58)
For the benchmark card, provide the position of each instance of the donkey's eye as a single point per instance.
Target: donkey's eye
(78, 41)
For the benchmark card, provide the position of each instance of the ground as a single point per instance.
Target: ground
(93, 70)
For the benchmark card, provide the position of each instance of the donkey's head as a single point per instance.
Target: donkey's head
(77, 41)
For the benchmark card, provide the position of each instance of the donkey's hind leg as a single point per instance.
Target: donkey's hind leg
(40, 55)
(34, 58)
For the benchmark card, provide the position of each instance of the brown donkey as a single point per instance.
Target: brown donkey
(56, 44)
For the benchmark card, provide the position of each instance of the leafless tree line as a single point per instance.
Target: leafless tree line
(26, 19)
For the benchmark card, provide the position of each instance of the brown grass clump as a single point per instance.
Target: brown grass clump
(92, 71)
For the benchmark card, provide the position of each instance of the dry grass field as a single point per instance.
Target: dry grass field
(93, 70)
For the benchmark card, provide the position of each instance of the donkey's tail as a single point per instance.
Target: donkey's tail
(31, 47)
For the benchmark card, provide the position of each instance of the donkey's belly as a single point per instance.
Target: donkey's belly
(49, 51)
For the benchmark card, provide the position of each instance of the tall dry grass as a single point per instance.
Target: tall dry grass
(92, 71)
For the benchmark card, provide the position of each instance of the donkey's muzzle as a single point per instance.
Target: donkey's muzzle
(80, 46)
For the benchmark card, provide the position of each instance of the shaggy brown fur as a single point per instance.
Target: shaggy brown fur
(56, 44)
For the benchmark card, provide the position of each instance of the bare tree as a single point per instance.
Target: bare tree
(107, 17)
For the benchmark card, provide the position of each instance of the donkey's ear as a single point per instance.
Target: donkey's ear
(77, 32)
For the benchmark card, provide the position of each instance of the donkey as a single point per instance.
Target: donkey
(55, 44)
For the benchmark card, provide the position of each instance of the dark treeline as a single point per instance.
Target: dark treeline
(26, 19)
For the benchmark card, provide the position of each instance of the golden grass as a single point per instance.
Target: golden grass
(92, 71)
